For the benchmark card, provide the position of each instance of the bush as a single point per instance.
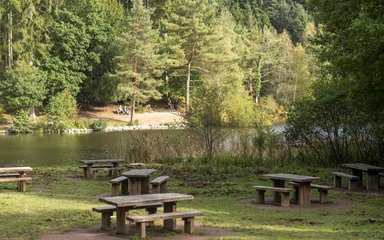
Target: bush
(61, 111)
(99, 125)
(22, 122)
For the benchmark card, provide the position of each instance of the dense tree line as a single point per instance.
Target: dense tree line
(101, 51)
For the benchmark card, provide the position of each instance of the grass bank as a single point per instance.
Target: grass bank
(59, 200)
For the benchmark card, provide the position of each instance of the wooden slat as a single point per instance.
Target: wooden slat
(340, 174)
(139, 173)
(15, 179)
(275, 189)
(118, 179)
(101, 209)
(136, 200)
(97, 166)
(159, 180)
(15, 169)
(9, 175)
(289, 177)
(163, 216)
(323, 187)
(101, 161)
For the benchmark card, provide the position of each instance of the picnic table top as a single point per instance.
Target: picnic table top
(101, 161)
(15, 169)
(139, 173)
(362, 166)
(137, 200)
(289, 177)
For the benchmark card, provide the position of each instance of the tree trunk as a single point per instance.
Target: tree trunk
(188, 85)
(32, 112)
(133, 103)
(9, 62)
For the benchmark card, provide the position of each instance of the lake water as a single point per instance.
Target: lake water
(37, 150)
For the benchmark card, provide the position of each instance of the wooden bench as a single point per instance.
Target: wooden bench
(187, 217)
(352, 180)
(322, 189)
(107, 213)
(112, 171)
(323, 192)
(159, 184)
(116, 182)
(22, 182)
(284, 193)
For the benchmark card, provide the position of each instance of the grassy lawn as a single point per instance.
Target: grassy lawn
(59, 200)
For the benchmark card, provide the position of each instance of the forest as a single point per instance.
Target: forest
(318, 65)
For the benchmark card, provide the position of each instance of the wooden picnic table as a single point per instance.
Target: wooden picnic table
(357, 169)
(126, 203)
(138, 180)
(304, 185)
(88, 173)
(16, 174)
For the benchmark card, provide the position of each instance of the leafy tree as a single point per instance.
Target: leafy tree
(23, 87)
(185, 29)
(139, 61)
(22, 123)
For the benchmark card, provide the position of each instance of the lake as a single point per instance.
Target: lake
(37, 150)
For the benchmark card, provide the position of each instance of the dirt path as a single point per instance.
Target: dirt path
(201, 233)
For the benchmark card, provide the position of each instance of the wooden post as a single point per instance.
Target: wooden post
(155, 188)
(170, 224)
(304, 193)
(163, 187)
(359, 181)
(277, 183)
(373, 181)
(141, 228)
(337, 181)
(323, 194)
(189, 225)
(285, 199)
(352, 184)
(260, 196)
(120, 220)
(135, 186)
(115, 189)
(145, 185)
(124, 187)
(106, 220)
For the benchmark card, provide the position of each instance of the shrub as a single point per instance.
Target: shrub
(99, 125)
(61, 111)
(22, 123)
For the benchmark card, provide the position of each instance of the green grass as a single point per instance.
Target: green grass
(59, 200)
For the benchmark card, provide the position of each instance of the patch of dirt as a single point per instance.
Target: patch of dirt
(155, 117)
(201, 233)
(315, 205)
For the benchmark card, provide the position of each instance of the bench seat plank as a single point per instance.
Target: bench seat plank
(341, 174)
(159, 180)
(352, 183)
(275, 189)
(163, 216)
(118, 179)
(20, 179)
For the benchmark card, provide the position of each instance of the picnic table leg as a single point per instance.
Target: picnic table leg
(145, 185)
(359, 181)
(89, 173)
(304, 193)
(373, 181)
(124, 187)
(120, 220)
(277, 183)
(170, 224)
(134, 186)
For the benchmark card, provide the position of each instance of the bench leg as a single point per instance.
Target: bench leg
(163, 187)
(189, 225)
(285, 199)
(323, 194)
(115, 189)
(260, 196)
(151, 210)
(155, 189)
(352, 184)
(106, 221)
(295, 195)
(337, 181)
(141, 229)
(22, 186)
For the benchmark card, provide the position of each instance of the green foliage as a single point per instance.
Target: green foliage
(22, 123)
(61, 111)
(99, 125)
(139, 61)
(22, 87)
